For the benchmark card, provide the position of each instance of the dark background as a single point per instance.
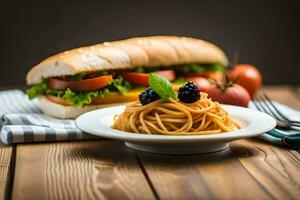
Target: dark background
(266, 33)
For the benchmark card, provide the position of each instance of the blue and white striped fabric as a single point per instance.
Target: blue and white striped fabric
(23, 121)
(288, 138)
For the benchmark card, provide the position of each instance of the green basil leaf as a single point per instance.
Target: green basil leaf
(162, 87)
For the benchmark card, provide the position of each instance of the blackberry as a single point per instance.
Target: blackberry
(148, 96)
(188, 93)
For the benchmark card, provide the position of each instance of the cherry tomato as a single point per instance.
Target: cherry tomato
(142, 78)
(83, 85)
(247, 76)
(234, 95)
(203, 84)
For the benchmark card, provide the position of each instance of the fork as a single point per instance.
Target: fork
(264, 104)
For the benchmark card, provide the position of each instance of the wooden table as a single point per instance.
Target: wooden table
(106, 169)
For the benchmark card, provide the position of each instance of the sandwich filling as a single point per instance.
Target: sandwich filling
(105, 87)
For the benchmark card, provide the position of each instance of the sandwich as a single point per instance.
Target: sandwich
(86, 78)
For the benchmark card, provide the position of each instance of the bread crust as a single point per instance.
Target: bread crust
(126, 54)
(67, 112)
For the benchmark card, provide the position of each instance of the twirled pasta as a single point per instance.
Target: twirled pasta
(176, 118)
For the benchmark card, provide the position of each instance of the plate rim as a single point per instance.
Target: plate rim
(146, 138)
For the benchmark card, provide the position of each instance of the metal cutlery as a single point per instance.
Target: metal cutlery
(264, 104)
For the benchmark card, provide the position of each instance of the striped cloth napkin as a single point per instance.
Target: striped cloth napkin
(22, 121)
(290, 138)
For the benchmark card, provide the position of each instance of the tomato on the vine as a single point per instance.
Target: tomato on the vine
(247, 76)
(233, 95)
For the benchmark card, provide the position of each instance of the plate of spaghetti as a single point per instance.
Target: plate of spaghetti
(186, 122)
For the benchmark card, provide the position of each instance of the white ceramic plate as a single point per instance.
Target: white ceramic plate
(98, 122)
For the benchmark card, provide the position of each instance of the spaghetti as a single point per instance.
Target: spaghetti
(176, 118)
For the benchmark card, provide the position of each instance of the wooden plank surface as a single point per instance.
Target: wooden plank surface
(226, 177)
(79, 170)
(250, 169)
(5, 170)
(276, 170)
(173, 177)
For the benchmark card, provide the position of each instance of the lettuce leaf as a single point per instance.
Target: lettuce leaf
(185, 68)
(77, 77)
(42, 89)
(199, 68)
(121, 85)
(78, 99)
(36, 90)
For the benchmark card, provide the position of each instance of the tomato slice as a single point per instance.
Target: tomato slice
(136, 78)
(83, 85)
(142, 78)
(168, 74)
(218, 76)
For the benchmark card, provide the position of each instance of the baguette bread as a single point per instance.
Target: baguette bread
(67, 112)
(126, 54)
